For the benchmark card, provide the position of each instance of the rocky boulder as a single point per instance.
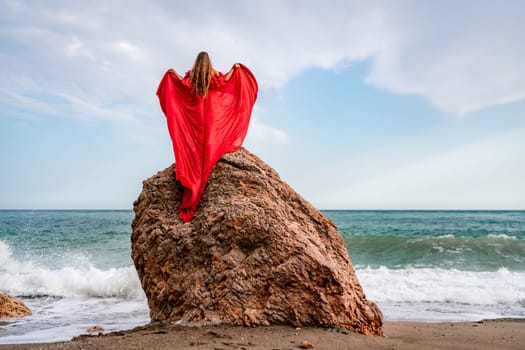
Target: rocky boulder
(256, 253)
(12, 307)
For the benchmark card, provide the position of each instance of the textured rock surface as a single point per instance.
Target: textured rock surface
(12, 307)
(256, 253)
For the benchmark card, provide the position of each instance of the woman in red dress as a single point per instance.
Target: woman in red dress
(208, 114)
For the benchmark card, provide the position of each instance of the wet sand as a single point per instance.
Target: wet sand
(488, 334)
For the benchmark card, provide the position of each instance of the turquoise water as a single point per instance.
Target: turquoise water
(73, 268)
(465, 240)
(52, 238)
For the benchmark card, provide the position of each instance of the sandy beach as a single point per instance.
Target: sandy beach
(488, 334)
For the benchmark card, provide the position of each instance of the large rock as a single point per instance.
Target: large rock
(12, 307)
(256, 253)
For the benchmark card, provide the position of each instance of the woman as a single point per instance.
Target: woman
(208, 114)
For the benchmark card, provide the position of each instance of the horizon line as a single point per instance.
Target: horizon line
(320, 209)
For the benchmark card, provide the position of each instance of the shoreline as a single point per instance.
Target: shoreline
(486, 334)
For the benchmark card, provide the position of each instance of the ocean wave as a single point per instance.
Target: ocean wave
(447, 236)
(465, 253)
(28, 279)
(437, 285)
(501, 236)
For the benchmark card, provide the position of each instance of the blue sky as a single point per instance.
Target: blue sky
(362, 105)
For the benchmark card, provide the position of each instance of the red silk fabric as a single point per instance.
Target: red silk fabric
(202, 130)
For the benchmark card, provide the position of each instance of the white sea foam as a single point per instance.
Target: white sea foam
(434, 294)
(24, 278)
(447, 236)
(502, 236)
(443, 285)
(65, 301)
(5, 255)
(61, 319)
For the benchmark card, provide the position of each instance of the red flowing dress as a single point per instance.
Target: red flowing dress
(203, 129)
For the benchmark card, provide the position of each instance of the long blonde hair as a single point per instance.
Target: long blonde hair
(200, 74)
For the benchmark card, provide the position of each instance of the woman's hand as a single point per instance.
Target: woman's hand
(171, 70)
(230, 73)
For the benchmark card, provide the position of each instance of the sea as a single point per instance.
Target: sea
(73, 268)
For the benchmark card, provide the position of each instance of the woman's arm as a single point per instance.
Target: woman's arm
(171, 70)
(230, 73)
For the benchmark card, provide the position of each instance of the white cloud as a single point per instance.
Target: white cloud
(130, 51)
(461, 57)
(75, 48)
(260, 132)
(486, 174)
(118, 50)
